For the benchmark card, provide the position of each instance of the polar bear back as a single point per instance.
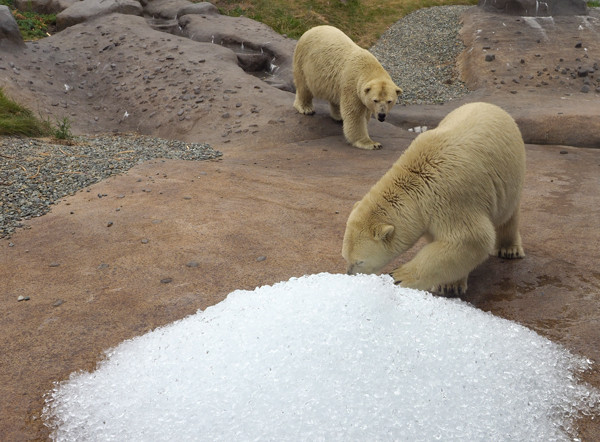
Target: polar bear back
(474, 161)
(329, 58)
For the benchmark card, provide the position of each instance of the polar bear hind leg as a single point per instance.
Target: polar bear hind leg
(508, 239)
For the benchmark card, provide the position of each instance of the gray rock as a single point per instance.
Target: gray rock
(202, 8)
(10, 37)
(536, 8)
(86, 10)
(171, 9)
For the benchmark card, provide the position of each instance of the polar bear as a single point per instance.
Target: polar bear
(459, 186)
(329, 65)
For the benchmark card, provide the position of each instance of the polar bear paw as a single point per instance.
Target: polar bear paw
(512, 252)
(369, 145)
(457, 288)
(304, 108)
(404, 277)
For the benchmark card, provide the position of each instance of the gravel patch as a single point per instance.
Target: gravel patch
(419, 52)
(35, 173)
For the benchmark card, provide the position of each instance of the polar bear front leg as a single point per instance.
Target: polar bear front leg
(443, 266)
(355, 127)
(334, 111)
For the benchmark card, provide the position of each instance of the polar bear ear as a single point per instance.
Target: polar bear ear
(384, 231)
(398, 91)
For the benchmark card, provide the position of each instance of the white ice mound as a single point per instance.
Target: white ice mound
(332, 358)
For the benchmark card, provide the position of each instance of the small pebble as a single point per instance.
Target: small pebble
(58, 303)
(192, 264)
(145, 241)
(563, 152)
(261, 258)
(110, 223)
(23, 298)
(54, 264)
(166, 280)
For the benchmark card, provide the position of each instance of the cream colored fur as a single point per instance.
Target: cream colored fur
(458, 185)
(329, 65)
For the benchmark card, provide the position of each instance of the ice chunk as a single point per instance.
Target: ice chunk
(328, 357)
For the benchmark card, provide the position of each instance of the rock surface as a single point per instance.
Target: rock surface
(173, 9)
(282, 191)
(259, 50)
(536, 8)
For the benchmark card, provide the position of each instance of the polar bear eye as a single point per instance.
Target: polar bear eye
(389, 102)
(376, 101)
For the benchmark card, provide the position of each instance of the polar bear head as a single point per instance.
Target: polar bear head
(379, 96)
(368, 240)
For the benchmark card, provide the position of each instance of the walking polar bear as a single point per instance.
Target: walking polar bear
(329, 65)
(459, 186)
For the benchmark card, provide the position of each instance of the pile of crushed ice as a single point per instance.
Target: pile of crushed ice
(328, 357)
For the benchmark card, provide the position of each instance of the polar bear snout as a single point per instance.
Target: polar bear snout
(381, 116)
(353, 269)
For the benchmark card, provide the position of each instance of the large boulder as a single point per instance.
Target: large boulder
(536, 8)
(10, 36)
(86, 10)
